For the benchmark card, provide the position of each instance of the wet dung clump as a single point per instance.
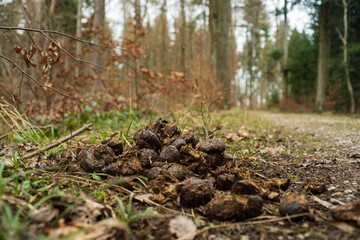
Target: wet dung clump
(211, 146)
(178, 143)
(116, 146)
(195, 192)
(192, 139)
(294, 203)
(169, 154)
(147, 157)
(147, 139)
(349, 212)
(228, 206)
(246, 186)
(88, 161)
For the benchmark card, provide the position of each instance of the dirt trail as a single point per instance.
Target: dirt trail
(338, 135)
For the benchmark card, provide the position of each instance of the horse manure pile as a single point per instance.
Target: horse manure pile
(186, 171)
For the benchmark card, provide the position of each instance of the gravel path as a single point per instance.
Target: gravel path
(340, 135)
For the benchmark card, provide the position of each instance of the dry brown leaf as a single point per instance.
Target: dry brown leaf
(243, 132)
(232, 137)
(273, 151)
(44, 214)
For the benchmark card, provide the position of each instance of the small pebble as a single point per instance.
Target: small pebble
(351, 196)
(43, 165)
(336, 202)
(336, 194)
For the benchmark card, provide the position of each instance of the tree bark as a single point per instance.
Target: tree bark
(220, 14)
(285, 49)
(164, 39)
(183, 38)
(78, 34)
(99, 15)
(137, 58)
(324, 54)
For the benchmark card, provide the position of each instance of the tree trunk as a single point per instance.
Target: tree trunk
(137, 58)
(285, 49)
(99, 15)
(212, 30)
(345, 60)
(183, 38)
(52, 6)
(220, 13)
(79, 35)
(324, 53)
(164, 42)
(253, 66)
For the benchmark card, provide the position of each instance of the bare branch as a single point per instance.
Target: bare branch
(70, 55)
(34, 80)
(340, 35)
(3, 88)
(17, 39)
(59, 33)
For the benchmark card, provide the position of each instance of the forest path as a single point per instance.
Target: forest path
(339, 135)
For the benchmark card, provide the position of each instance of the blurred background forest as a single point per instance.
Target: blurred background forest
(164, 55)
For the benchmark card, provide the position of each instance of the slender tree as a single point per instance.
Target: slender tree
(183, 37)
(138, 25)
(78, 34)
(99, 20)
(344, 39)
(324, 53)
(285, 51)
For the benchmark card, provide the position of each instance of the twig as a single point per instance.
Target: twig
(60, 141)
(69, 54)
(58, 33)
(3, 136)
(46, 33)
(34, 80)
(261, 176)
(127, 142)
(227, 225)
(323, 203)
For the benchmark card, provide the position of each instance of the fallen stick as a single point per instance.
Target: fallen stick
(58, 142)
(323, 203)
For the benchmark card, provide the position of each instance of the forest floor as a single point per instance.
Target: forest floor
(310, 149)
(49, 196)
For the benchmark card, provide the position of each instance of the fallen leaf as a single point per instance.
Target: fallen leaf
(243, 132)
(181, 226)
